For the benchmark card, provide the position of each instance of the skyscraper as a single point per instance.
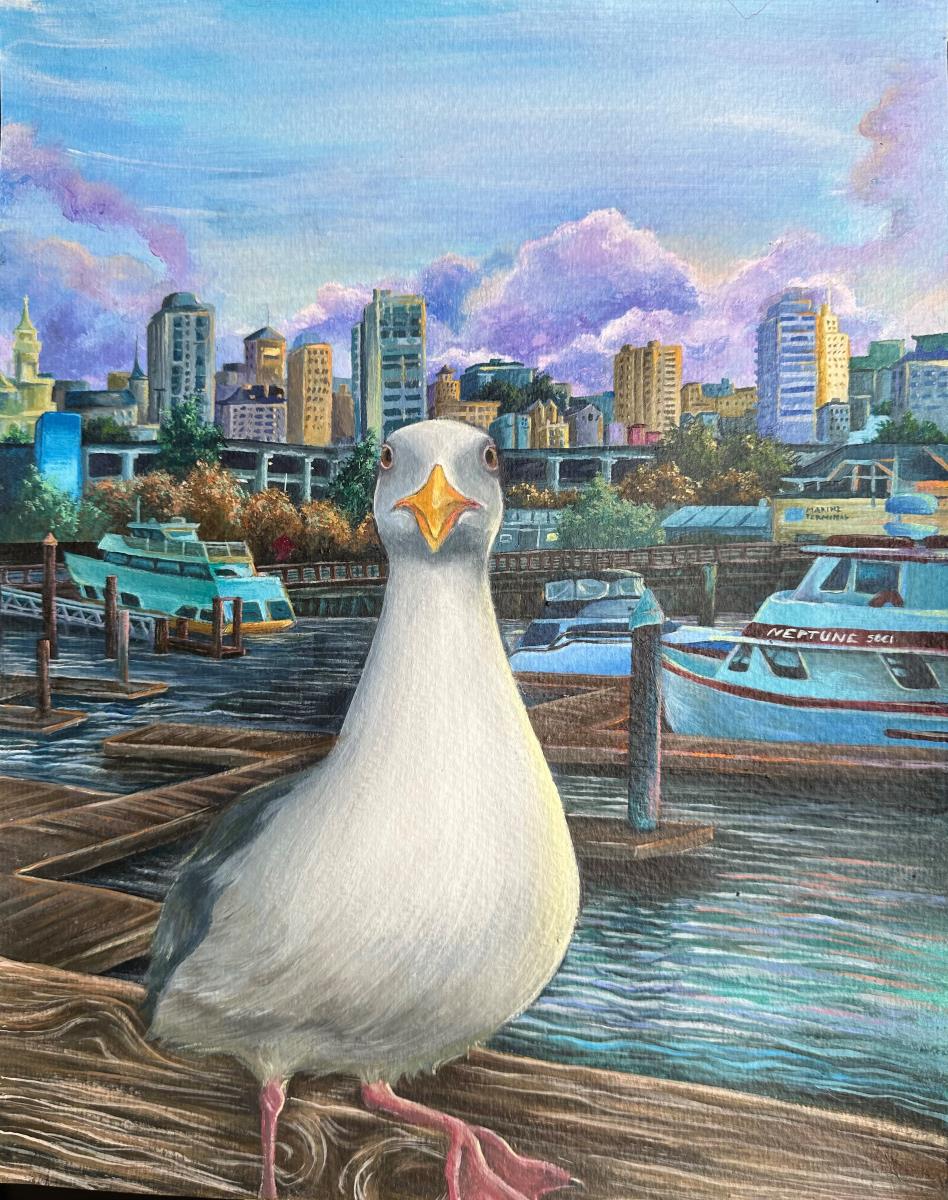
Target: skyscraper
(787, 369)
(265, 357)
(389, 362)
(180, 355)
(832, 358)
(309, 394)
(647, 384)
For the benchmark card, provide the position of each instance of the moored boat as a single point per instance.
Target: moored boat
(162, 567)
(856, 654)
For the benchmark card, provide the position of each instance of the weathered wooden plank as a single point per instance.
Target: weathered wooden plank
(86, 687)
(211, 745)
(24, 798)
(611, 841)
(88, 1102)
(24, 718)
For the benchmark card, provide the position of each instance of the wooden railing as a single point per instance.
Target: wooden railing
(551, 562)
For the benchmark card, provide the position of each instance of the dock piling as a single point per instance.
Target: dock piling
(237, 626)
(111, 616)
(44, 700)
(161, 635)
(124, 626)
(645, 715)
(708, 594)
(49, 593)
(181, 628)
(217, 627)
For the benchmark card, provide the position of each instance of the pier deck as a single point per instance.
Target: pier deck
(85, 687)
(89, 1103)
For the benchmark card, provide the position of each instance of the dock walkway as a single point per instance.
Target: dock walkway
(89, 1103)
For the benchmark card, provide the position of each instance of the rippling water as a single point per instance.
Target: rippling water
(803, 956)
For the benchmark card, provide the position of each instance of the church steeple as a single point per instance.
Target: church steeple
(137, 372)
(25, 325)
(26, 347)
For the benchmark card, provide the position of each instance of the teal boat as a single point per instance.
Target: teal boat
(162, 567)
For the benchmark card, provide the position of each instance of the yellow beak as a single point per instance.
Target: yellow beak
(436, 507)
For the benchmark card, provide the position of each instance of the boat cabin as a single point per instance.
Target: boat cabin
(876, 573)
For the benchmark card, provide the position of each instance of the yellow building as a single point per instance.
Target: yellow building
(265, 357)
(117, 381)
(647, 385)
(548, 429)
(832, 358)
(25, 397)
(692, 399)
(477, 412)
(343, 414)
(446, 394)
(309, 402)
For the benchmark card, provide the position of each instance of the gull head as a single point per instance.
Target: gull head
(438, 492)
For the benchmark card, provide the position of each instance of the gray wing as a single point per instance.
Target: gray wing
(186, 912)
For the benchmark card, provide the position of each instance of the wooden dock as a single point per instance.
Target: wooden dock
(26, 718)
(89, 1103)
(84, 687)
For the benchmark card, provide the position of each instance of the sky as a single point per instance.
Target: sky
(559, 177)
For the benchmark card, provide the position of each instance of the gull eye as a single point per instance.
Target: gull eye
(491, 461)
(386, 458)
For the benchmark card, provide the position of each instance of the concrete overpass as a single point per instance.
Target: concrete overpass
(574, 467)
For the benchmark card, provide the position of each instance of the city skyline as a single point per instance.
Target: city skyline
(560, 262)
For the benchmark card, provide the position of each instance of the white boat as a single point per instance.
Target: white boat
(856, 654)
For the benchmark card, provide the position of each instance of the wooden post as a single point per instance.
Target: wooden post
(181, 628)
(217, 626)
(161, 635)
(708, 594)
(111, 616)
(49, 594)
(124, 625)
(44, 701)
(237, 626)
(645, 715)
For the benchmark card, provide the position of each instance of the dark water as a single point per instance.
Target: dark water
(804, 956)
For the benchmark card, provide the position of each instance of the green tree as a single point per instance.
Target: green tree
(602, 520)
(105, 430)
(692, 449)
(353, 488)
(504, 394)
(771, 461)
(908, 431)
(542, 388)
(16, 435)
(186, 439)
(40, 508)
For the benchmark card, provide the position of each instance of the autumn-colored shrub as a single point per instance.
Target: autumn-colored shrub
(364, 542)
(268, 517)
(214, 499)
(325, 532)
(663, 485)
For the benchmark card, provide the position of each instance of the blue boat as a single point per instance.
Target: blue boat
(162, 567)
(856, 654)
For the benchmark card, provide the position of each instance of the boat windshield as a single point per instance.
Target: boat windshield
(539, 633)
(847, 580)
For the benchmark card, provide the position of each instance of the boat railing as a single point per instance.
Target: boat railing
(183, 548)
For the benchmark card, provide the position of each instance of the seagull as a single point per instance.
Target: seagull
(382, 912)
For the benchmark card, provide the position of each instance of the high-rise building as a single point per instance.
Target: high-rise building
(355, 372)
(29, 394)
(343, 414)
(389, 360)
(921, 380)
(265, 357)
(309, 394)
(254, 413)
(787, 369)
(506, 370)
(180, 355)
(647, 384)
(444, 394)
(871, 375)
(832, 358)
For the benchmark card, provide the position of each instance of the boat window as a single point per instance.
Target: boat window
(591, 589)
(226, 573)
(786, 664)
(741, 658)
(252, 611)
(143, 564)
(539, 633)
(909, 671)
(280, 610)
(167, 566)
(874, 577)
(560, 589)
(195, 570)
(113, 556)
(90, 592)
(130, 600)
(207, 614)
(838, 578)
(187, 610)
(627, 587)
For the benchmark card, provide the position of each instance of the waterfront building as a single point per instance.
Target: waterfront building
(444, 393)
(254, 413)
(265, 357)
(29, 394)
(134, 381)
(585, 425)
(692, 398)
(921, 380)
(787, 369)
(309, 395)
(709, 419)
(507, 370)
(180, 355)
(511, 431)
(833, 421)
(647, 386)
(548, 428)
(872, 374)
(343, 414)
(96, 404)
(832, 358)
(391, 366)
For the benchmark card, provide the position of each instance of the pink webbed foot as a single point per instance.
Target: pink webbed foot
(479, 1164)
(272, 1099)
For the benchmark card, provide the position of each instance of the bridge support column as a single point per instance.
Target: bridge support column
(261, 479)
(553, 472)
(307, 480)
(128, 465)
(605, 466)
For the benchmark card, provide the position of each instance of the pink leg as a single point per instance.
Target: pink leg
(272, 1099)
(479, 1164)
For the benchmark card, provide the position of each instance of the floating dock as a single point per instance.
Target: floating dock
(85, 687)
(27, 718)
